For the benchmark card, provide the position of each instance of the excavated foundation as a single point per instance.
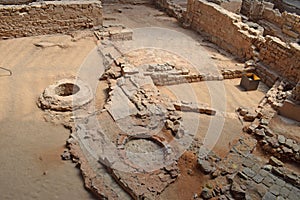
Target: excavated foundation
(138, 149)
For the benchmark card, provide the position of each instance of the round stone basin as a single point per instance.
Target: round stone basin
(66, 89)
(66, 95)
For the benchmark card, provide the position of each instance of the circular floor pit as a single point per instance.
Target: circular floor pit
(139, 145)
(66, 95)
(66, 89)
(144, 153)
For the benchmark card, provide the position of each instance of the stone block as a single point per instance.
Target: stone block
(275, 162)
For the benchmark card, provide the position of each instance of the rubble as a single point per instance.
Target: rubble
(205, 166)
(280, 146)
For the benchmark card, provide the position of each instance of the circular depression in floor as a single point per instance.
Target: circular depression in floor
(144, 153)
(142, 146)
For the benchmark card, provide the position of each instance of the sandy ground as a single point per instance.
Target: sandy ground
(211, 93)
(30, 148)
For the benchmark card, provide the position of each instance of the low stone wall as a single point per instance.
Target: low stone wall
(277, 145)
(49, 17)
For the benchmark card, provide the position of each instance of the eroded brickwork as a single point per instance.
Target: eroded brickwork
(48, 18)
(296, 92)
(284, 25)
(224, 28)
(227, 30)
(281, 57)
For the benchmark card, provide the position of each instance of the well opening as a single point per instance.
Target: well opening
(66, 89)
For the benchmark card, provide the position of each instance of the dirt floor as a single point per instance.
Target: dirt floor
(30, 148)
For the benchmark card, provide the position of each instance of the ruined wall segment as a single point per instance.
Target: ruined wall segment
(48, 17)
(172, 9)
(284, 25)
(296, 93)
(288, 23)
(231, 5)
(291, 6)
(279, 59)
(11, 2)
(222, 27)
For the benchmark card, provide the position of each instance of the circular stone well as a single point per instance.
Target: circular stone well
(65, 95)
(66, 89)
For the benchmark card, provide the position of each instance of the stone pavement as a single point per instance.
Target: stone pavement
(242, 175)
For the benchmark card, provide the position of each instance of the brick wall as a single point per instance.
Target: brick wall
(221, 27)
(281, 57)
(171, 8)
(48, 17)
(9, 2)
(284, 5)
(296, 92)
(277, 24)
(227, 30)
(288, 23)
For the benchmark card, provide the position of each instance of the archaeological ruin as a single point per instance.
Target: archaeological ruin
(150, 99)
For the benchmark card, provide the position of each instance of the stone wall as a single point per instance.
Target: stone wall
(289, 6)
(48, 17)
(171, 8)
(12, 2)
(227, 30)
(296, 92)
(269, 77)
(281, 57)
(283, 25)
(281, 5)
(222, 27)
(254, 8)
(288, 23)
(231, 5)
